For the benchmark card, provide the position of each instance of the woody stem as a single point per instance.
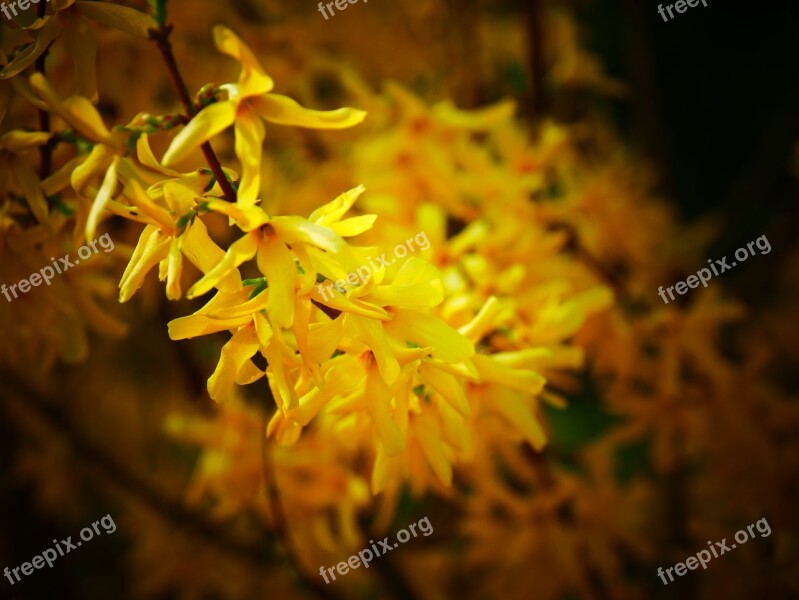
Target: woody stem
(161, 38)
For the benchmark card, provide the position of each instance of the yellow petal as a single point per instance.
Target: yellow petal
(302, 318)
(446, 385)
(23, 87)
(139, 198)
(179, 198)
(324, 338)
(81, 114)
(382, 471)
(234, 305)
(250, 134)
(26, 58)
(282, 389)
(203, 126)
(101, 200)
(354, 226)
(174, 270)
(297, 229)
(285, 431)
(332, 212)
(19, 141)
(474, 120)
(263, 330)
(517, 379)
(235, 354)
(334, 299)
(454, 428)
(483, 321)
(253, 81)
(31, 189)
(429, 293)
(277, 265)
(371, 333)
(151, 249)
(248, 219)
(204, 254)
(308, 276)
(125, 19)
(61, 178)
(248, 374)
(241, 250)
(77, 111)
(378, 398)
(426, 330)
(97, 162)
(286, 111)
(147, 158)
(518, 414)
(429, 436)
(80, 45)
(197, 325)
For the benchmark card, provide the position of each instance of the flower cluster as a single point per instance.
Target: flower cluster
(456, 375)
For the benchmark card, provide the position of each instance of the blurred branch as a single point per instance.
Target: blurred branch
(675, 493)
(279, 522)
(464, 52)
(46, 150)
(161, 38)
(538, 103)
(117, 474)
(648, 127)
(542, 463)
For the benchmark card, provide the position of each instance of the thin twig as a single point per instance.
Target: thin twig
(161, 38)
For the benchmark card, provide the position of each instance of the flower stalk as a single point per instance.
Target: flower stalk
(161, 38)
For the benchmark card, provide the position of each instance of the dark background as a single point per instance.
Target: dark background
(715, 102)
(714, 105)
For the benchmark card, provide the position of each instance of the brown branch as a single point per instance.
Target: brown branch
(161, 38)
(535, 56)
(117, 474)
(46, 150)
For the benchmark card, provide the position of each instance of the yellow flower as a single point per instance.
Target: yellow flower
(249, 101)
(15, 168)
(168, 236)
(104, 160)
(69, 21)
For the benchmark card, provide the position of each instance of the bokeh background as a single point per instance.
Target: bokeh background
(657, 146)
